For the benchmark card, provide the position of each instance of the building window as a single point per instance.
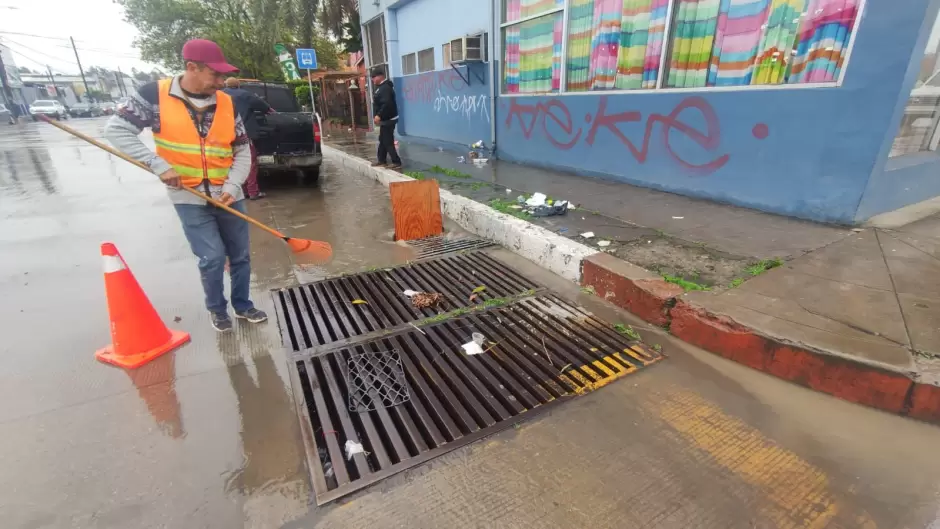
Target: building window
(409, 64)
(651, 44)
(426, 60)
(918, 131)
(375, 41)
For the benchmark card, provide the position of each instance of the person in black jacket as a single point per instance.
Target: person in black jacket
(386, 117)
(246, 104)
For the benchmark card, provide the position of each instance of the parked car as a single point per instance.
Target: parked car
(288, 139)
(85, 110)
(49, 108)
(6, 116)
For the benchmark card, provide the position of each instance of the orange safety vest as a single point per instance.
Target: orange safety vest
(195, 158)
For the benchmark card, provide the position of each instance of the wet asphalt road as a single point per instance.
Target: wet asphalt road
(207, 436)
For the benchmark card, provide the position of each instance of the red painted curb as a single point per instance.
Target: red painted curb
(840, 377)
(630, 287)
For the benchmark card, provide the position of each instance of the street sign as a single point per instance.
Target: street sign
(306, 59)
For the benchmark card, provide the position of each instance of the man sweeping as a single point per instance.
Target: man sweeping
(201, 143)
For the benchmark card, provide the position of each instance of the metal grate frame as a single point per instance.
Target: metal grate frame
(440, 245)
(540, 350)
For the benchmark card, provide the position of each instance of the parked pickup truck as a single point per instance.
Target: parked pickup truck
(288, 139)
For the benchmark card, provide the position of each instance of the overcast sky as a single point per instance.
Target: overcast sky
(101, 35)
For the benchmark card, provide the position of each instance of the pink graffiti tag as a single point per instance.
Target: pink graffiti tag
(558, 128)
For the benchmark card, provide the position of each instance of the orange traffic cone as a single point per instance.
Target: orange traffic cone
(138, 334)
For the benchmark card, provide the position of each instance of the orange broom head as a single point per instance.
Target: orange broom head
(313, 251)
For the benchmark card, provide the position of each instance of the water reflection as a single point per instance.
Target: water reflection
(156, 386)
(270, 435)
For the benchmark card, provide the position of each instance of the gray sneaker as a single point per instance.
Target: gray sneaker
(220, 321)
(253, 315)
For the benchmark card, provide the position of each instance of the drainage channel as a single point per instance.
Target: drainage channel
(339, 309)
(381, 387)
(440, 245)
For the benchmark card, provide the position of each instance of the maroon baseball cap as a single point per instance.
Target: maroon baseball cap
(208, 53)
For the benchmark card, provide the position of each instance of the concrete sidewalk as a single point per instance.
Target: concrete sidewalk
(852, 312)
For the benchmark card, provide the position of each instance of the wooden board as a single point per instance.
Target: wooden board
(416, 207)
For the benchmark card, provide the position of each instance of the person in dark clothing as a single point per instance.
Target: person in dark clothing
(386, 117)
(246, 104)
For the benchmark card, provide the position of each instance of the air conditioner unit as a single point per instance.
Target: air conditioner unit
(466, 49)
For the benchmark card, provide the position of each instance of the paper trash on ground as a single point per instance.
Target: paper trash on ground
(603, 244)
(587, 234)
(410, 293)
(475, 345)
(537, 199)
(353, 448)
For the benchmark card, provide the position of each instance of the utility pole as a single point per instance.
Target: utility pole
(121, 79)
(80, 70)
(52, 79)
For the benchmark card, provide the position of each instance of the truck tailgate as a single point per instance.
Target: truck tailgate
(286, 133)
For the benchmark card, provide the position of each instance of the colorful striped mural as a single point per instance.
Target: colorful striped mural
(618, 44)
(533, 55)
(615, 44)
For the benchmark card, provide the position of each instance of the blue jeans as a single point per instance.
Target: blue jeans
(214, 235)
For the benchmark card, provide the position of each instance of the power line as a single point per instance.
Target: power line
(54, 59)
(32, 35)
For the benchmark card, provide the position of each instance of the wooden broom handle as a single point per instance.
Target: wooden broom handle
(127, 158)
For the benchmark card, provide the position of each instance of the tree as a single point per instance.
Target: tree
(335, 13)
(351, 39)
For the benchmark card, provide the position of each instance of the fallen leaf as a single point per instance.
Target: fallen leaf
(479, 289)
(359, 302)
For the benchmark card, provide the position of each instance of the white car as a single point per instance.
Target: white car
(49, 108)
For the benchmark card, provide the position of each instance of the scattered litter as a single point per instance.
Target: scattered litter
(481, 161)
(678, 218)
(582, 218)
(478, 145)
(461, 159)
(359, 302)
(472, 348)
(353, 448)
(603, 244)
(424, 300)
(856, 230)
(587, 234)
(515, 207)
(537, 199)
(562, 230)
(177, 319)
(410, 293)
(478, 338)
(440, 149)
(508, 191)
(571, 207)
(562, 372)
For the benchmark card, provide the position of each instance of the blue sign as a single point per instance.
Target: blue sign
(307, 59)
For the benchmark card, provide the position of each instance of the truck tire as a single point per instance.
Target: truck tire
(310, 175)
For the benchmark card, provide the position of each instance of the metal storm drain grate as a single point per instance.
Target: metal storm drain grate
(375, 380)
(338, 309)
(440, 245)
(537, 352)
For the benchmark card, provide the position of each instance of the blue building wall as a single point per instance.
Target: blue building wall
(805, 152)
(444, 104)
(904, 180)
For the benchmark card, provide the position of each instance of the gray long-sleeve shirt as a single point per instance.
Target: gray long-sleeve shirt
(142, 110)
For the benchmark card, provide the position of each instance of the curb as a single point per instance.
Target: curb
(658, 302)
(544, 248)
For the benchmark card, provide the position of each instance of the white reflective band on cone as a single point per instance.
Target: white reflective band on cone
(112, 263)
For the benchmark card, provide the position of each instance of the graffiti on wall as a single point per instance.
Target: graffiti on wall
(469, 105)
(552, 120)
(446, 93)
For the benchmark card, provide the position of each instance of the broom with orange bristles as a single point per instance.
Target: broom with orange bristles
(314, 251)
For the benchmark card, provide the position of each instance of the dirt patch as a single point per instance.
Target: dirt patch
(695, 264)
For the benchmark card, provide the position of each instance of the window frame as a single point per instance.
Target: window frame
(417, 55)
(414, 57)
(564, 8)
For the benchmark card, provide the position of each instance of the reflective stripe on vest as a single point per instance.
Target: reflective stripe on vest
(195, 158)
